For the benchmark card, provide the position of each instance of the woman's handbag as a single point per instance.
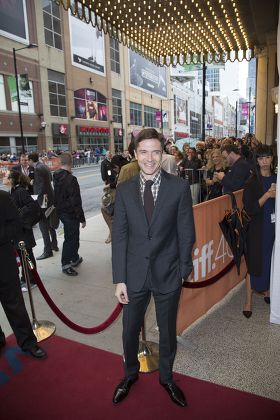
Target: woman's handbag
(234, 227)
(30, 214)
(54, 219)
(108, 200)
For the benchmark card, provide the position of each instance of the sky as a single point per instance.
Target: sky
(243, 74)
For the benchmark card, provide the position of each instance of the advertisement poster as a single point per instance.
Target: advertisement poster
(244, 113)
(25, 93)
(87, 45)
(90, 105)
(181, 111)
(146, 75)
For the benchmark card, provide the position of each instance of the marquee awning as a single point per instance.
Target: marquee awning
(182, 31)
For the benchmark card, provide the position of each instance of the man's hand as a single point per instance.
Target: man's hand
(121, 293)
(83, 224)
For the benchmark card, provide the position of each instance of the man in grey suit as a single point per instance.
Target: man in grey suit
(43, 188)
(153, 236)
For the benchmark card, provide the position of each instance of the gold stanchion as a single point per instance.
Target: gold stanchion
(148, 354)
(41, 329)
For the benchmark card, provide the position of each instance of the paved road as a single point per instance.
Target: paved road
(91, 186)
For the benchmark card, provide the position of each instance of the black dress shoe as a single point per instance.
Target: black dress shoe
(55, 248)
(78, 262)
(175, 393)
(44, 256)
(123, 388)
(267, 299)
(37, 352)
(247, 314)
(70, 271)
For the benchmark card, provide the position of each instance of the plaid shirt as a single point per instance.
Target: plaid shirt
(155, 187)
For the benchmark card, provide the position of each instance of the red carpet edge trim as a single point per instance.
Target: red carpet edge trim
(67, 321)
(208, 282)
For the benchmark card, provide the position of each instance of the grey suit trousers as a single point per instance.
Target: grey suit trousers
(133, 317)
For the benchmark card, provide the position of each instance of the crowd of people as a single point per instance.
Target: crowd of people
(212, 168)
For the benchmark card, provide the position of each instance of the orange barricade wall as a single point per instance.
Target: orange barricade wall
(6, 166)
(211, 254)
(53, 163)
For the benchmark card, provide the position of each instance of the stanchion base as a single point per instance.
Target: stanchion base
(148, 356)
(43, 329)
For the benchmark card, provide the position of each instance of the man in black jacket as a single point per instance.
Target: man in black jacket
(107, 173)
(10, 292)
(68, 203)
(24, 168)
(239, 169)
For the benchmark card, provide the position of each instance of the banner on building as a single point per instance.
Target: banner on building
(146, 75)
(181, 111)
(25, 93)
(90, 105)
(87, 46)
(60, 129)
(244, 113)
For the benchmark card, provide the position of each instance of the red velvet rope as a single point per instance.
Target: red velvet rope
(67, 321)
(208, 282)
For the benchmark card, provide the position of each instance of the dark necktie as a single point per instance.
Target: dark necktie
(148, 200)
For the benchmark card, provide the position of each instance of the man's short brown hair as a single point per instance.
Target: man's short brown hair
(230, 148)
(147, 134)
(66, 159)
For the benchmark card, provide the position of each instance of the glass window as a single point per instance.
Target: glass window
(52, 24)
(30, 144)
(150, 117)
(5, 145)
(213, 77)
(195, 125)
(135, 114)
(117, 105)
(118, 140)
(57, 94)
(13, 20)
(60, 143)
(115, 55)
(2, 93)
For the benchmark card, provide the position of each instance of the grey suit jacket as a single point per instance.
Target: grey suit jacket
(164, 246)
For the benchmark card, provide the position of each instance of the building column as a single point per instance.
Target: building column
(266, 78)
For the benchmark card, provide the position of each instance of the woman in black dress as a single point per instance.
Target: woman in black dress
(19, 185)
(259, 202)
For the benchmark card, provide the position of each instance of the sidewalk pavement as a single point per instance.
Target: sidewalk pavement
(87, 299)
(222, 347)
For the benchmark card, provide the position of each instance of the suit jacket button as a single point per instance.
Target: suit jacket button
(147, 258)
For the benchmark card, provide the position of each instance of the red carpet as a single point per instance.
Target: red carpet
(76, 382)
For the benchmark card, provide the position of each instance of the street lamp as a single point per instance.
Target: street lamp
(18, 98)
